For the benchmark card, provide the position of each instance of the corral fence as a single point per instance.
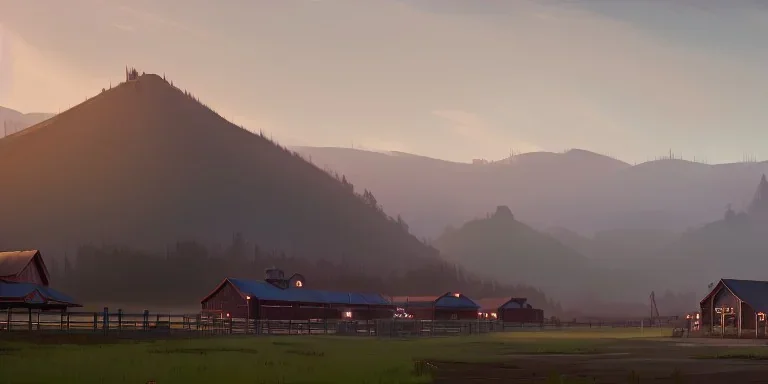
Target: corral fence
(158, 323)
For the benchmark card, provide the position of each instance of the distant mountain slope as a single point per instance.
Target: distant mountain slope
(511, 251)
(432, 193)
(14, 121)
(578, 190)
(734, 246)
(144, 164)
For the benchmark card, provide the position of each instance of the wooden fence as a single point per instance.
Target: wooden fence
(119, 323)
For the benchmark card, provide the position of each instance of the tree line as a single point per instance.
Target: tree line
(188, 270)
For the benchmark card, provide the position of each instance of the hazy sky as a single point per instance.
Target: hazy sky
(454, 79)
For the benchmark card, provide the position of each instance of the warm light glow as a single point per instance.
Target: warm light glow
(687, 316)
(299, 284)
(457, 295)
(761, 316)
(494, 315)
(247, 297)
(698, 316)
(347, 315)
(227, 314)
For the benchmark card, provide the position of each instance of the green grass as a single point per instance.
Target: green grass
(286, 359)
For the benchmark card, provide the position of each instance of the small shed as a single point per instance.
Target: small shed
(449, 306)
(517, 310)
(280, 298)
(24, 283)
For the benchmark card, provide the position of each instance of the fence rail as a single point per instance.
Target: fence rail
(130, 323)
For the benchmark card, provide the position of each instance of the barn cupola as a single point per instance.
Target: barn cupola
(276, 277)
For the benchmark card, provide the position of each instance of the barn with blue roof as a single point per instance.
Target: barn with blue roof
(280, 298)
(24, 285)
(736, 307)
(449, 306)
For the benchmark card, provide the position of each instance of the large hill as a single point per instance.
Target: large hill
(145, 164)
(579, 190)
(511, 251)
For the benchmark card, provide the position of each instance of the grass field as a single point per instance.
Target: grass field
(286, 359)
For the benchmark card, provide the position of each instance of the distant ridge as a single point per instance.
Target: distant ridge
(145, 163)
(13, 121)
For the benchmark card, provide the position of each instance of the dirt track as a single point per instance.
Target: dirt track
(625, 362)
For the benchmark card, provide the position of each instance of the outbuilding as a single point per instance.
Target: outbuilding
(449, 306)
(510, 310)
(280, 298)
(735, 307)
(24, 286)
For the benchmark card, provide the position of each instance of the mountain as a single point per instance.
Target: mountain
(734, 246)
(622, 248)
(511, 251)
(145, 164)
(579, 190)
(432, 193)
(14, 121)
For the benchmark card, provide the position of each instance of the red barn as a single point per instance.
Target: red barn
(278, 298)
(24, 283)
(449, 306)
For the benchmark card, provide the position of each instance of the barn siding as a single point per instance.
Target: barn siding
(30, 274)
(521, 315)
(227, 300)
(455, 314)
(725, 298)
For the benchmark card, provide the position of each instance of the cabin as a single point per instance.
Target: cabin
(509, 310)
(449, 306)
(735, 308)
(517, 310)
(280, 298)
(25, 283)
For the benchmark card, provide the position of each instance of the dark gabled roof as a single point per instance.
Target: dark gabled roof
(12, 263)
(515, 303)
(753, 292)
(34, 294)
(447, 300)
(263, 290)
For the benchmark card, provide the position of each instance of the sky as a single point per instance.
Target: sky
(451, 79)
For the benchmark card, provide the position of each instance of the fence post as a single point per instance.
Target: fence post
(95, 321)
(10, 318)
(106, 320)
(30, 319)
(61, 321)
(119, 319)
(68, 321)
(145, 321)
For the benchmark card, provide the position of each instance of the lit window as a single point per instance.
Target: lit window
(347, 315)
(698, 315)
(457, 295)
(299, 284)
(494, 315)
(761, 316)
